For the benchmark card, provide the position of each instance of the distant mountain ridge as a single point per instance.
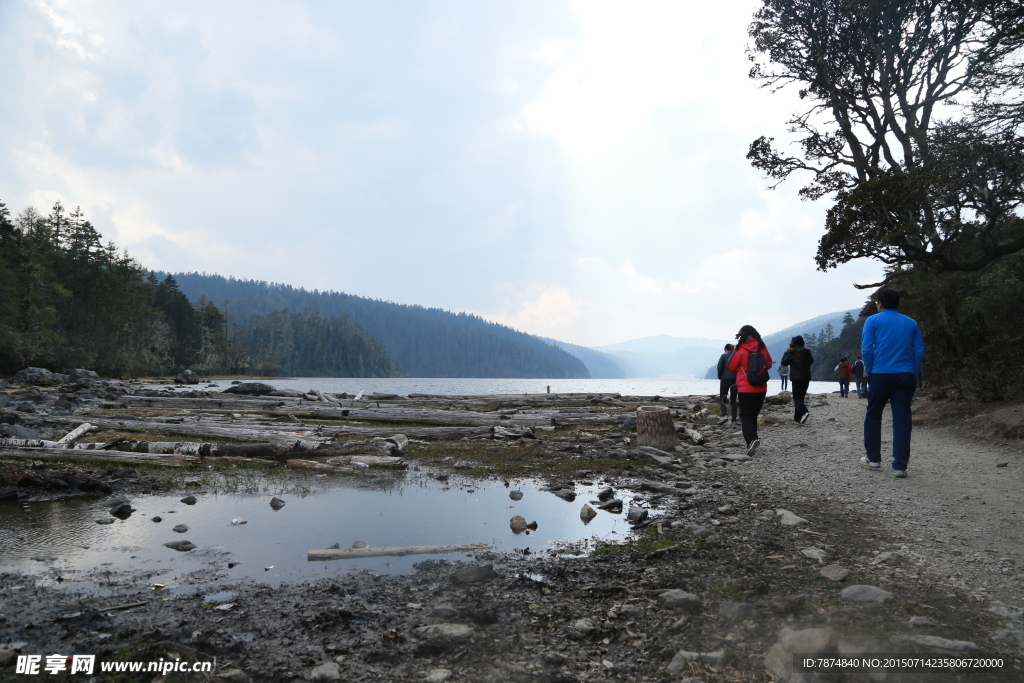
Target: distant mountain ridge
(424, 342)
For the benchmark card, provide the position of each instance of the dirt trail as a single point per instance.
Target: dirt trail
(958, 512)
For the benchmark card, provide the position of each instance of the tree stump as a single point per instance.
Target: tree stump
(654, 428)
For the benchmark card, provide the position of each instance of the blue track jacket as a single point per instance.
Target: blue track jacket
(892, 342)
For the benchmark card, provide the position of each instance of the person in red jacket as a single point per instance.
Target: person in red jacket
(751, 396)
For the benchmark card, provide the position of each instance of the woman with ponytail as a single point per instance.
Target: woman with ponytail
(751, 381)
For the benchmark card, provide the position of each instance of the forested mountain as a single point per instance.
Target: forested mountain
(67, 301)
(425, 342)
(599, 365)
(308, 345)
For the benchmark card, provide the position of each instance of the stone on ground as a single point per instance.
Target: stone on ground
(865, 595)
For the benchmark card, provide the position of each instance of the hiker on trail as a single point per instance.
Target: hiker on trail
(751, 362)
(727, 382)
(845, 370)
(893, 350)
(784, 376)
(858, 378)
(799, 360)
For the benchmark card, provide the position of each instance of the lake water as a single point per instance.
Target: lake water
(62, 539)
(641, 386)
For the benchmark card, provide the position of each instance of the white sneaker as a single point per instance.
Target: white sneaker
(752, 448)
(803, 420)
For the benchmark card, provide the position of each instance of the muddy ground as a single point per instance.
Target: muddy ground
(719, 573)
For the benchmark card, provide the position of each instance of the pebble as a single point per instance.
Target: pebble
(680, 601)
(865, 595)
(787, 518)
(834, 572)
(515, 495)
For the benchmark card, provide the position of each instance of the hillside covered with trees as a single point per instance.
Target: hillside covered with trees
(424, 342)
(67, 301)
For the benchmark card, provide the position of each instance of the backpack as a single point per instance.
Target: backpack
(757, 369)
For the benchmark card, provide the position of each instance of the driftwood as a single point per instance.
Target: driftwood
(318, 466)
(82, 455)
(75, 434)
(388, 461)
(348, 553)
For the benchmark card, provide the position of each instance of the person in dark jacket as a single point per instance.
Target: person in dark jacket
(799, 360)
(726, 382)
(751, 396)
(858, 377)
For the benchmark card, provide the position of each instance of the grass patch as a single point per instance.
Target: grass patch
(528, 458)
(731, 589)
(647, 542)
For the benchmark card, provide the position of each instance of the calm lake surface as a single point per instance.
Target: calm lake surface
(642, 386)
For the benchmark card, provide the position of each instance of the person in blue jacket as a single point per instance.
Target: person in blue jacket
(893, 349)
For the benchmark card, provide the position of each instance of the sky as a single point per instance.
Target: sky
(575, 170)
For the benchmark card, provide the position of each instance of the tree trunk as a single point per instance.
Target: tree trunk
(654, 428)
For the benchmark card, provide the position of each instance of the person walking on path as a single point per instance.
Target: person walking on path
(893, 350)
(845, 370)
(784, 376)
(727, 382)
(858, 378)
(799, 361)
(751, 362)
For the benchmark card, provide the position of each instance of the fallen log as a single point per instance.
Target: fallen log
(388, 461)
(82, 455)
(349, 553)
(75, 434)
(318, 466)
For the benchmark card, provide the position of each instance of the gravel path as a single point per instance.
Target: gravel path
(957, 516)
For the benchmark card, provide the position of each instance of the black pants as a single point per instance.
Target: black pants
(750, 408)
(785, 379)
(727, 386)
(799, 392)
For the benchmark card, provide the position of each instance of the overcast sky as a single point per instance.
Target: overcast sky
(573, 169)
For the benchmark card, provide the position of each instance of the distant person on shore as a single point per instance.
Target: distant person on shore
(784, 376)
(893, 349)
(798, 359)
(858, 378)
(727, 382)
(845, 370)
(751, 362)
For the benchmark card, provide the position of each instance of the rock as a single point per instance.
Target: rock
(515, 495)
(582, 626)
(8, 493)
(180, 546)
(328, 671)
(922, 621)
(787, 518)
(567, 495)
(442, 637)
(677, 600)
(652, 454)
(473, 574)
(437, 675)
(1003, 464)
(518, 524)
(360, 544)
(834, 572)
(606, 495)
(613, 506)
(250, 389)
(888, 558)
(700, 531)
(631, 611)
(276, 503)
(684, 657)
(187, 377)
(809, 641)
(114, 502)
(80, 375)
(443, 612)
(105, 521)
(1007, 612)
(737, 611)
(813, 553)
(40, 377)
(636, 515)
(7, 656)
(15, 431)
(158, 518)
(587, 513)
(122, 511)
(1010, 638)
(735, 457)
(189, 500)
(628, 423)
(180, 528)
(935, 644)
(865, 595)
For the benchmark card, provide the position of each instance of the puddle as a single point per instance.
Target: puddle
(59, 542)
